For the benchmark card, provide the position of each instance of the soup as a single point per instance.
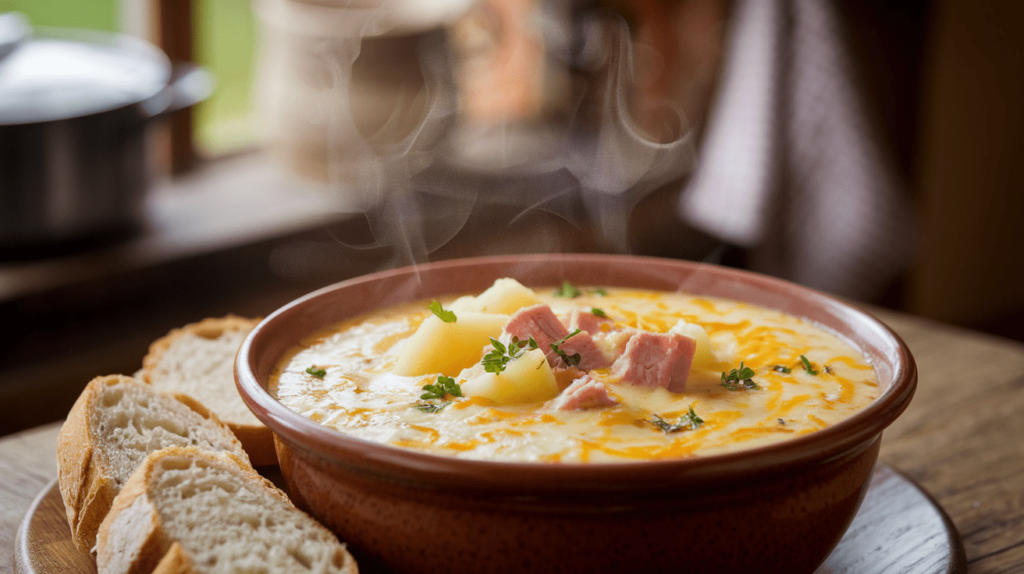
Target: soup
(575, 375)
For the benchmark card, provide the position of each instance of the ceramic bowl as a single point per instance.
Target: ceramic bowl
(775, 508)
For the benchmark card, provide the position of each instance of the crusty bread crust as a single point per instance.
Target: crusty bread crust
(209, 328)
(129, 540)
(257, 442)
(256, 439)
(87, 485)
(126, 548)
(176, 561)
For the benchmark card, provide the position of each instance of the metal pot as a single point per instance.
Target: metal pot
(74, 108)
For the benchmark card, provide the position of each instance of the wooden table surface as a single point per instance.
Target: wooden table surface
(961, 439)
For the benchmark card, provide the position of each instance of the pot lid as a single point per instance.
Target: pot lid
(60, 74)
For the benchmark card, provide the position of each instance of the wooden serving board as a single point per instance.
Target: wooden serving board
(899, 528)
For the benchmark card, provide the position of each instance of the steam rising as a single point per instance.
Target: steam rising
(429, 172)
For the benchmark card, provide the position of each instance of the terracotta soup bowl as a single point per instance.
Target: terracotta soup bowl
(778, 508)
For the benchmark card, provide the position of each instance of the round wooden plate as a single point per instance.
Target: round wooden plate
(899, 528)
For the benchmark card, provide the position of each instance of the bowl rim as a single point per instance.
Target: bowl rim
(843, 439)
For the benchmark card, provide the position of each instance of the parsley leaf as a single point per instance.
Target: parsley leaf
(689, 421)
(739, 379)
(495, 361)
(568, 291)
(429, 401)
(444, 386)
(569, 360)
(318, 373)
(600, 292)
(446, 316)
(599, 312)
(431, 408)
(782, 369)
(807, 366)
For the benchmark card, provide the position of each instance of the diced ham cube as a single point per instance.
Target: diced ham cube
(656, 360)
(540, 322)
(589, 322)
(583, 393)
(590, 356)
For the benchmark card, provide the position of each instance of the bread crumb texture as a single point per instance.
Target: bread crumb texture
(230, 522)
(130, 420)
(198, 361)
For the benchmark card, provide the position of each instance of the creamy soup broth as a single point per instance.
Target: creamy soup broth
(352, 387)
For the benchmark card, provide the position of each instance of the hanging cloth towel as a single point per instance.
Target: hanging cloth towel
(790, 167)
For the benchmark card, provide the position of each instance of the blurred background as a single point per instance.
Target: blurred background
(255, 150)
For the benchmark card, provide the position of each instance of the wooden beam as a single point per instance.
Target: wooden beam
(174, 23)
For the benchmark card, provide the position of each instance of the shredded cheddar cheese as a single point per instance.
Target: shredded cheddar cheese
(362, 397)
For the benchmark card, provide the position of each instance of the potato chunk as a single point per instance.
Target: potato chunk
(527, 379)
(704, 357)
(464, 304)
(447, 348)
(506, 296)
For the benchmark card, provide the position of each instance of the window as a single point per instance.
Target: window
(225, 41)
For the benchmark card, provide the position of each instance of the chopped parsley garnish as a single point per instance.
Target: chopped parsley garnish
(740, 378)
(568, 291)
(431, 408)
(782, 422)
(570, 360)
(495, 361)
(828, 369)
(432, 400)
(446, 316)
(444, 386)
(689, 421)
(782, 369)
(318, 373)
(807, 366)
(599, 312)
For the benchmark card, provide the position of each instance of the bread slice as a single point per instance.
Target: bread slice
(198, 360)
(113, 425)
(187, 510)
